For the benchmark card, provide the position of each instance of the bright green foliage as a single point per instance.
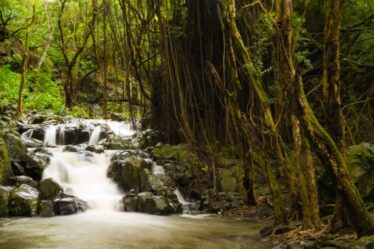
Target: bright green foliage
(9, 84)
(41, 92)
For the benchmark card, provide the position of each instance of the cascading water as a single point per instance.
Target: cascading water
(95, 136)
(61, 134)
(50, 135)
(84, 175)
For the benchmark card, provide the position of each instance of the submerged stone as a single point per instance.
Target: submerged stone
(69, 205)
(46, 208)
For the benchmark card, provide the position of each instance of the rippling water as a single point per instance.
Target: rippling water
(112, 230)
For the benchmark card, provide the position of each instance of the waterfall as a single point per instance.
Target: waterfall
(84, 175)
(27, 134)
(180, 197)
(50, 135)
(95, 136)
(61, 134)
(157, 169)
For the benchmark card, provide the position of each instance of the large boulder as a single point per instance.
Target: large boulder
(114, 142)
(130, 202)
(76, 134)
(146, 138)
(148, 202)
(23, 201)
(49, 189)
(158, 184)
(153, 204)
(127, 172)
(69, 205)
(22, 163)
(4, 200)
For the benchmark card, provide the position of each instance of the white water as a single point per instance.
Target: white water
(121, 129)
(95, 136)
(50, 135)
(85, 177)
(157, 169)
(61, 134)
(27, 134)
(181, 198)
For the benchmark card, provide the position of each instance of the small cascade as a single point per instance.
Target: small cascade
(181, 199)
(50, 135)
(84, 175)
(61, 134)
(95, 136)
(27, 134)
(188, 207)
(157, 169)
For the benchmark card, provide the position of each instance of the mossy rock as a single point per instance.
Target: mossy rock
(5, 164)
(49, 189)
(175, 152)
(4, 200)
(131, 172)
(23, 201)
(46, 208)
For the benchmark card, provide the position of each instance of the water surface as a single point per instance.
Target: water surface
(111, 230)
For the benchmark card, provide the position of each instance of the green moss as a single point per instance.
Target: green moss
(5, 167)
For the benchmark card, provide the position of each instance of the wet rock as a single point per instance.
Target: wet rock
(46, 208)
(130, 202)
(151, 204)
(76, 134)
(95, 148)
(49, 189)
(69, 205)
(145, 139)
(19, 180)
(14, 145)
(71, 148)
(32, 142)
(38, 119)
(127, 172)
(114, 142)
(22, 163)
(4, 200)
(158, 184)
(23, 201)
(131, 172)
(27, 165)
(181, 174)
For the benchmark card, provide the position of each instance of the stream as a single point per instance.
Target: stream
(105, 225)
